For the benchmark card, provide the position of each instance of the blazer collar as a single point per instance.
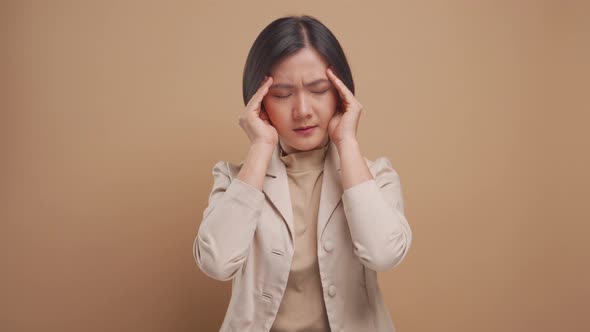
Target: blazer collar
(276, 188)
(277, 167)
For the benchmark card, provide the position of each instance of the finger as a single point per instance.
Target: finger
(343, 90)
(256, 99)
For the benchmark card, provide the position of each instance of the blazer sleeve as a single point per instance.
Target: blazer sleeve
(374, 210)
(228, 225)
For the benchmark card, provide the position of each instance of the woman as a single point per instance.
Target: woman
(303, 224)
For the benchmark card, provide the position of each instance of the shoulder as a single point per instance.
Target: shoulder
(383, 170)
(227, 168)
(379, 165)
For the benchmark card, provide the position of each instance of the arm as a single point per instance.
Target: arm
(229, 221)
(374, 209)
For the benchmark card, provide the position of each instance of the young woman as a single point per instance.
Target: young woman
(304, 223)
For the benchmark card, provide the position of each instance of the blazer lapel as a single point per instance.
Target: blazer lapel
(276, 188)
(331, 188)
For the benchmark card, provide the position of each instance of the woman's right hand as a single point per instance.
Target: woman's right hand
(255, 122)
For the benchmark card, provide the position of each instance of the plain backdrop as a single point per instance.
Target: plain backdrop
(113, 114)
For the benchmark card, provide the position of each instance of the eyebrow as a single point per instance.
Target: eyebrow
(290, 86)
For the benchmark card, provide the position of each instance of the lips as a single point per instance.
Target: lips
(306, 127)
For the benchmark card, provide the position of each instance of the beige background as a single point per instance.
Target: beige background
(113, 114)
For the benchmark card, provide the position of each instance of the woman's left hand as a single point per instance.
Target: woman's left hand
(343, 126)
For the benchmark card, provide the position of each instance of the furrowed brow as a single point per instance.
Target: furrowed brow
(290, 86)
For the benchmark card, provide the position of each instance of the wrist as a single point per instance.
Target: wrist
(347, 144)
(262, 147)
(254, 168)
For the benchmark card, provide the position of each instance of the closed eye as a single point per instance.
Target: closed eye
(318, 93)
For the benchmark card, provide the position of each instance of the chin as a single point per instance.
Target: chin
(304, 145)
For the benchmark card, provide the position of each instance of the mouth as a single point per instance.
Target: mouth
(304, 128)
(305, 131)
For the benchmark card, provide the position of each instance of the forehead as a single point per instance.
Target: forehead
(302, 67)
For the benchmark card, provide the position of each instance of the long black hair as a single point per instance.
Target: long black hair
(285, 36)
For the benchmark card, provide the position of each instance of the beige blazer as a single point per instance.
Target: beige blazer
(246, 235)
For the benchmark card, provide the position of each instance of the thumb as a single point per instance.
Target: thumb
(334, 122)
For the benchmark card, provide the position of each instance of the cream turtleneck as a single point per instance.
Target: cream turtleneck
(302, 307)
(304, 160)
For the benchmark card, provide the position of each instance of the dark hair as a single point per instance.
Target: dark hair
(287, 35)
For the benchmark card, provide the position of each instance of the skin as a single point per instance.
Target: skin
(297, 106)
(327, 104)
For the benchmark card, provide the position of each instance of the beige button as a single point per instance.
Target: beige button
(328, 246)
(332, 290)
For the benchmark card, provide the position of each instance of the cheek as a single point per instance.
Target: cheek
(276, 115)
(335, 98)
(328, 114)
(331, 106)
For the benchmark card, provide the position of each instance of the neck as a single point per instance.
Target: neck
(289, 150)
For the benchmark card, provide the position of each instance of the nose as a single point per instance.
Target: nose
(302, 107)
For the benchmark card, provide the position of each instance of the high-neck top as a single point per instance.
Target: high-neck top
(304, 160)
(302, 307)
